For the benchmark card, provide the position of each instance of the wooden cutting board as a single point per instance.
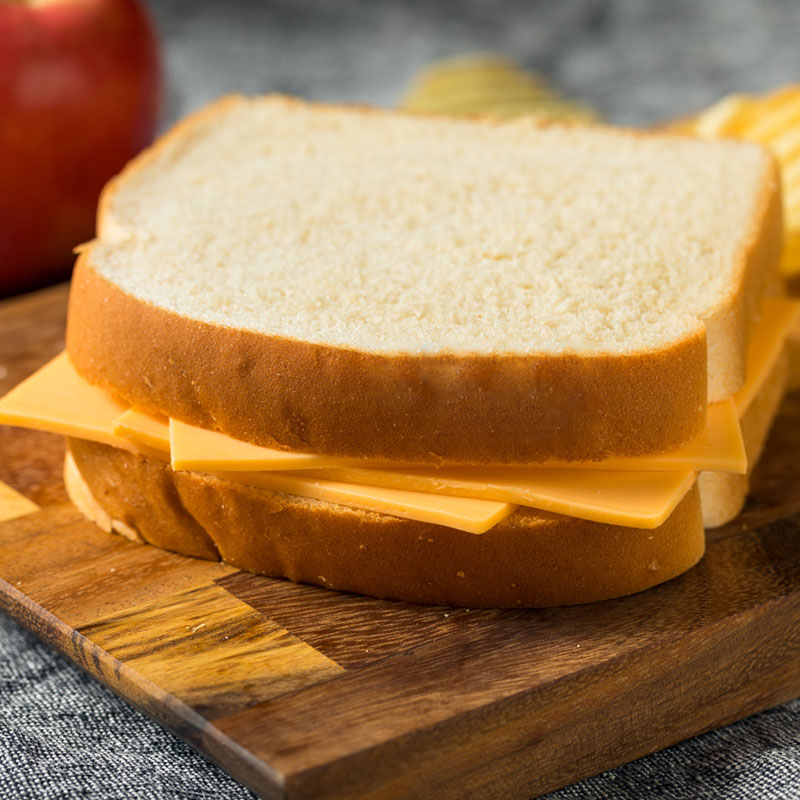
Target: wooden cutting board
(299, 692)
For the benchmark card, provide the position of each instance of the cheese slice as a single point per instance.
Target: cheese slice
(638, 499)
(144, 429)
(210, 451)
(463, 513)
(58, 400)
(632, 499)
(197, 448)
(777, 320)
(13, 504)
(719, 448)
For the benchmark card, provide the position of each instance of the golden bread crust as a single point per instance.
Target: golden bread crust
(456, 409)
(531, 558)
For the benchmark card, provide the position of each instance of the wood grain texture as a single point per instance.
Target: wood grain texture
(210, 650)
(31, 333)
(304, 693)
(351, 629)
(97, 574)
(148, 697)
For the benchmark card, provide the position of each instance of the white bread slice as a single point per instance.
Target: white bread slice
(531, 558)
(377, 285)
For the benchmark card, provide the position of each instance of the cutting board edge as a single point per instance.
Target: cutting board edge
(164, 709)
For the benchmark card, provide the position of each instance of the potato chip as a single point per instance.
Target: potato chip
(488, 85)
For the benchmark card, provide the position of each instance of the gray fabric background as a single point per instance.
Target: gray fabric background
(62, 735)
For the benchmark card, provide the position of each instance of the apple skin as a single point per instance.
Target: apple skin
(80, 92)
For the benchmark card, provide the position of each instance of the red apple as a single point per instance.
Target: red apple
(80, 86)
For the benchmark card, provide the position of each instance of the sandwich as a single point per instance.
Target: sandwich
(476, 363)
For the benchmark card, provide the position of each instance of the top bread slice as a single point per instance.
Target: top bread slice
(377, 285)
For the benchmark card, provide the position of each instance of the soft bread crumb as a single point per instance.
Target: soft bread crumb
(394, 234)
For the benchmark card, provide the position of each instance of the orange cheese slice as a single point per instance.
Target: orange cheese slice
(144, 429)
(632, 499)
(718, 448)
(472, 515)
(57, 399)
(638, 499)
(197, 448)
(639, 492)
(461, 513)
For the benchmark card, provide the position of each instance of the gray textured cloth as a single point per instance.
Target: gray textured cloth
(62, 735)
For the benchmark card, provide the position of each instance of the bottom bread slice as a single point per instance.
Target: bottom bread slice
(722, 495)
(531, 558)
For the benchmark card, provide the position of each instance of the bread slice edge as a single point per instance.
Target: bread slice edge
(424, 410)
(530, 559)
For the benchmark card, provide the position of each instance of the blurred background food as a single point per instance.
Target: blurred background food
(636, 61)
(80, 88)
(488, 84)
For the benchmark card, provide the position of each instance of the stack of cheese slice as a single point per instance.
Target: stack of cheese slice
(639, 492)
